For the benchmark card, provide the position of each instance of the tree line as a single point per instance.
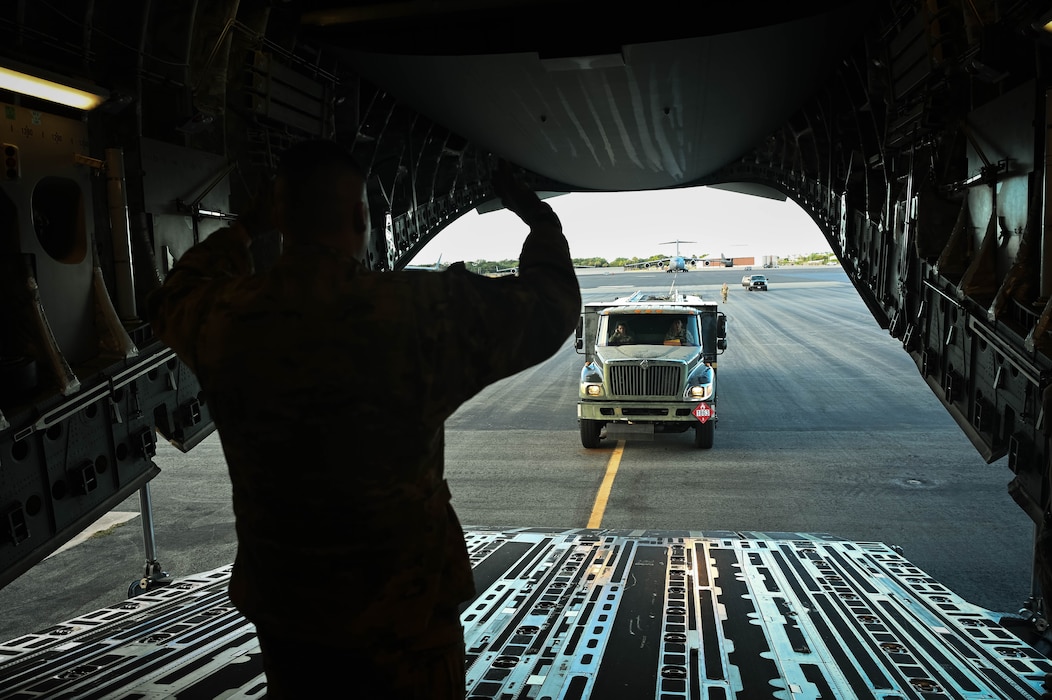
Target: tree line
(491, 267)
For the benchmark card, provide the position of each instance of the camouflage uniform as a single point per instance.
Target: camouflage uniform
(677, 333)
(330, 384)
(620, 337)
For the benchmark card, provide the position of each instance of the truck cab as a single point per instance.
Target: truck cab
(650, 363)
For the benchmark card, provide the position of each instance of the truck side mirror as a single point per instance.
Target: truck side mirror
(579, 335)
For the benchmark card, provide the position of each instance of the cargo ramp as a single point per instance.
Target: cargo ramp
(582, 613)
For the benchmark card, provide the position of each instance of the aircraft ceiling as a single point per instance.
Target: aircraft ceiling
(594, 101)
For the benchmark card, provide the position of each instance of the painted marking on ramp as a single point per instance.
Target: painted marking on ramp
(604, 489)
(111, 519)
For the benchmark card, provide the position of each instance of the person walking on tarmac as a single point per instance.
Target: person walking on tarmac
(723, 292)
(329, 385)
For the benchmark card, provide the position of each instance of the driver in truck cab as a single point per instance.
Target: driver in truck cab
(621, 336)
(677, 333)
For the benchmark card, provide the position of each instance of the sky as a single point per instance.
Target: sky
(637, 224)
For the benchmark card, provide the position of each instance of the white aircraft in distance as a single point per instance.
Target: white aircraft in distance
(720, 261)
(678, 262)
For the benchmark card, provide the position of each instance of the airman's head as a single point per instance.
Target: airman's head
(320, 197)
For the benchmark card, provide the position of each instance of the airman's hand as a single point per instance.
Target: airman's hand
(516, 196)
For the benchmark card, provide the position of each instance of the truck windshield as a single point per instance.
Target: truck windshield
(648, 329)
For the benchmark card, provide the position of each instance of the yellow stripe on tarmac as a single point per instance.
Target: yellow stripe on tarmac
(604, 489)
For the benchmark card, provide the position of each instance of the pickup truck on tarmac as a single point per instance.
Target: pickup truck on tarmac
(757, 282)
(650, 362)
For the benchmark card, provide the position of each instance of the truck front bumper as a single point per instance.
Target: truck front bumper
(639, 412)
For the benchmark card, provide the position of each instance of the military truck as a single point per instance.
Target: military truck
(650, 363)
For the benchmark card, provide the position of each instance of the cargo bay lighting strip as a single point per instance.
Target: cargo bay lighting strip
(50, 90)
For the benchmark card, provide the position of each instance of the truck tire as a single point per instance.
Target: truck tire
(590, 430)
(704, 435)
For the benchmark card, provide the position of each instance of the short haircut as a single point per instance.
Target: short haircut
(313, 178)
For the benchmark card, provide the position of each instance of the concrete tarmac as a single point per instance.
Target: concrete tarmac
(825, 425)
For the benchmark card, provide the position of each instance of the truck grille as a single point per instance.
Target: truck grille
(655, 380)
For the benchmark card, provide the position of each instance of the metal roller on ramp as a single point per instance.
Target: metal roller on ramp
(597, 614)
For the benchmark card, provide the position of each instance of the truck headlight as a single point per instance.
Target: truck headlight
(700, 385)
(591, 380)
(699, 392)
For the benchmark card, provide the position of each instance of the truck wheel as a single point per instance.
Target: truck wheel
(704, 435)
(590, 430)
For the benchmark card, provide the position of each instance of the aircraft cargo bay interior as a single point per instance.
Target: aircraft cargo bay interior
(915, 136)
